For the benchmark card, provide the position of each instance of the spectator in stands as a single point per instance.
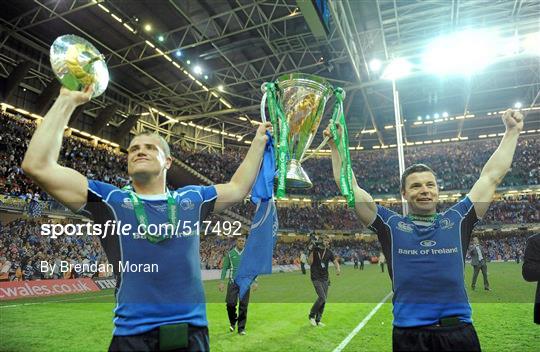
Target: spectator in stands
(5, 266)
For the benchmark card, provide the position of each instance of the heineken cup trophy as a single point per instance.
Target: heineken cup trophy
(296, 104)
(78, 64)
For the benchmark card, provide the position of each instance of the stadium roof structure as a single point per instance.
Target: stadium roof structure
(196, 74)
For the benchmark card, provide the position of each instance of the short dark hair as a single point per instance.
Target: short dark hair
(162, 141)
(413, 169)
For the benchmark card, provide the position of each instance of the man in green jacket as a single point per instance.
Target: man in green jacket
(231, 262)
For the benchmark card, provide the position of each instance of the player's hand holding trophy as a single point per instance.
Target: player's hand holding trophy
(78, 64)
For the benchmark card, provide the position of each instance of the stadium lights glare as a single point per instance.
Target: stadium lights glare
(205, 76)
(428, 117)
(436, 116)
(419, 118)
(161, 38)
(531, 43)
(375, 65)
(464, 52)
(518, 105)
(148, 27)
(445, 114)
(188, 62)
(220, 88)
(178, 53)
(197, 69)
(397, 69)
(511, 46)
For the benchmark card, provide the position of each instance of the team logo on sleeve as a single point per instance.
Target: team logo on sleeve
(446, 224)
(405, 227)
(186, 204)
(127, 204)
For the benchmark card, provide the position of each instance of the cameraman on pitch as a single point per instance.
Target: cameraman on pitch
(319, 257)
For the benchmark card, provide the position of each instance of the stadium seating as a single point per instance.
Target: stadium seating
(23, 247)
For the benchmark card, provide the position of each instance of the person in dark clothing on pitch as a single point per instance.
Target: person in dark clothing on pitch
(531, 269)
(320, 256)
(479, 262)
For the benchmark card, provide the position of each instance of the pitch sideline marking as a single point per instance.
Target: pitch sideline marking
(57, 301)
(363, 323)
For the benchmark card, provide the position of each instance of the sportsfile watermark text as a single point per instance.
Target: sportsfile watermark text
(118, 228)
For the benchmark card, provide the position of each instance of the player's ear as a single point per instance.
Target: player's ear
(168, 162)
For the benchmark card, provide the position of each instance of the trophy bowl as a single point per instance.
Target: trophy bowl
(78, 64)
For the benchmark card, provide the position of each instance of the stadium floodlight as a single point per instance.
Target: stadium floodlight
(531, 43)
(464, 52)
(511, 46)
(188, 62)
(428, 117)
(178, 53)
(375, 65)
(220, 88)
(445, 114)
(419, 118)
(397, 69)
(205, 76)
(148, 27)
(518, 105)
(436, 116)
(161, 38)
(197, 69)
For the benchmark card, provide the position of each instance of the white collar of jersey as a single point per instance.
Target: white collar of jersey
(422, 223)
(237, 251)
(162, 196)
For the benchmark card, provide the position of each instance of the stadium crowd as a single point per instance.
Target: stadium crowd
(22, 247)
(100, 162)
(449, 160)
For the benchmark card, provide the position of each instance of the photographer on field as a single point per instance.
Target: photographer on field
(320, 255)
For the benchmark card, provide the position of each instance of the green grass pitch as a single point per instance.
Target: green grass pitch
(277, 317)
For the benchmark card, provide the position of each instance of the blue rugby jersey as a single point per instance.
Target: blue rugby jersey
(426, 264)
(173, 294)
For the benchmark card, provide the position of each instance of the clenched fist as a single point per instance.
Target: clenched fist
(513, 120)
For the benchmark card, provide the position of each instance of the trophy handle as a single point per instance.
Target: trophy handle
(263, 108)
(323, 143)
(325, 140)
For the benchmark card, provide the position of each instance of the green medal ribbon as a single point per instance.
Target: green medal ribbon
(425, 218)
(342, 144)
(142, 218)
(279, 123)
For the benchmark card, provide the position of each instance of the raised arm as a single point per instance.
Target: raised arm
(365, 206)
(40, 163)
(498, 164)
(241, 182)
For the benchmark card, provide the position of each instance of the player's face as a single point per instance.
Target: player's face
(146, 156)
(240, 243)
(421, 192)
